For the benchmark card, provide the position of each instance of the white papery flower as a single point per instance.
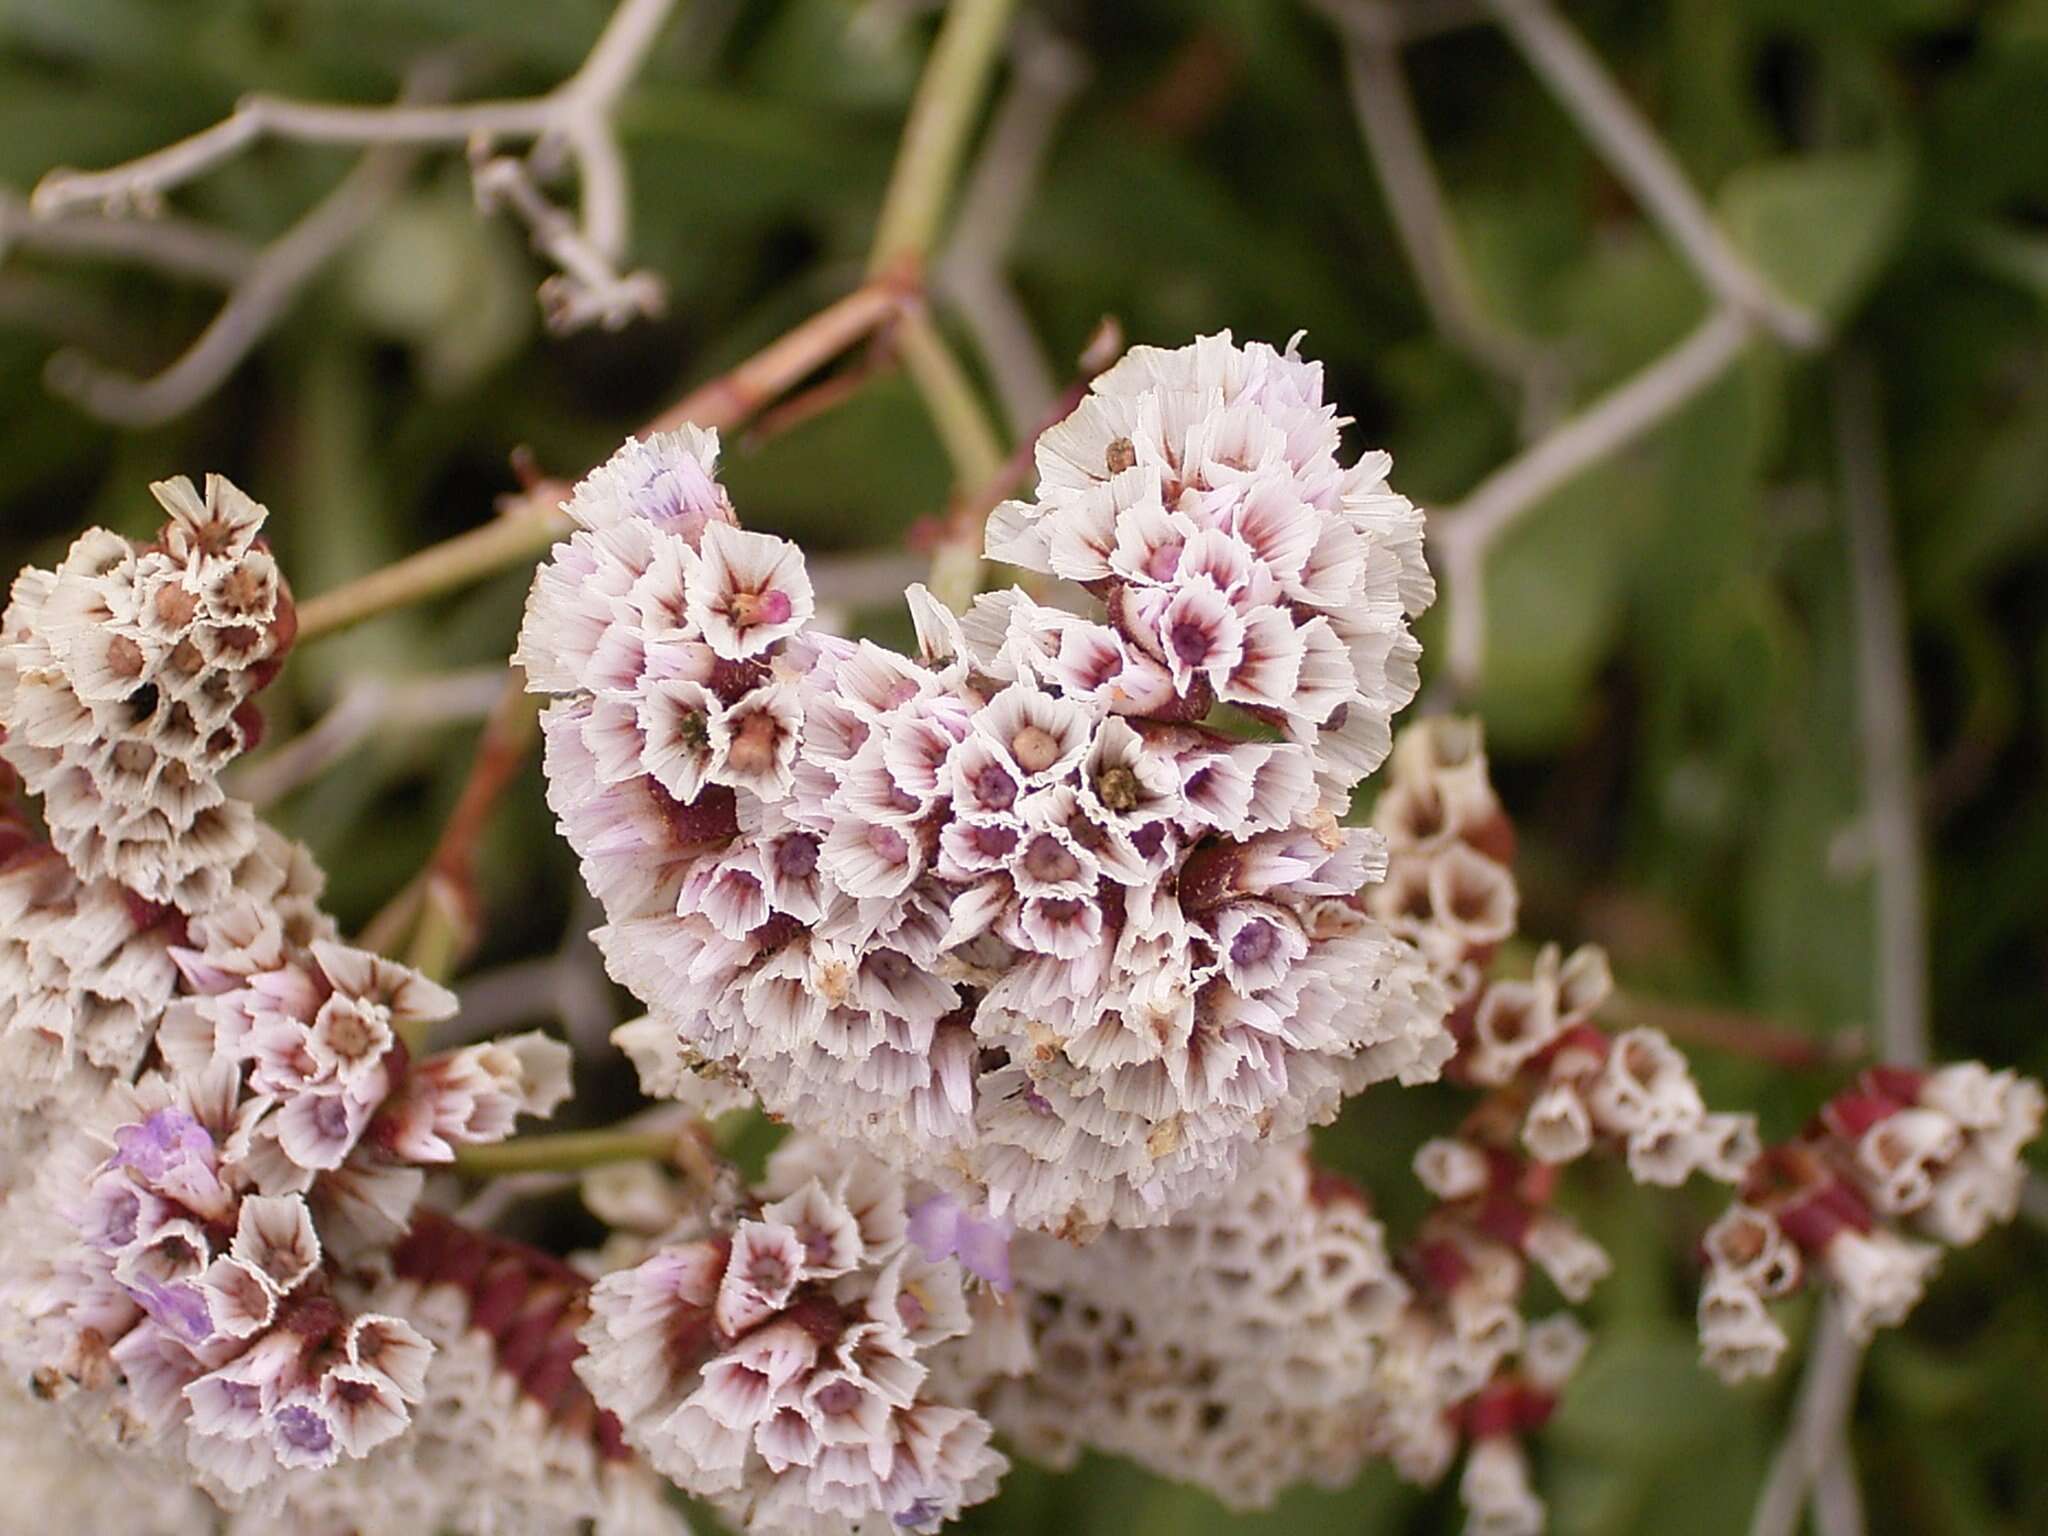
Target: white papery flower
(779, 1369)
(1879, 1275)
(1232, 1349)
(1496, 1492)
(1738, 1337)
(126, 680)
(966, 911)
(1200, 494)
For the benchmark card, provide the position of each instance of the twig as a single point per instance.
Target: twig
(1884, 688)
(956, 558)
(1646, 166)
(180, 247)
(262, 293)
(534, 519)
(587, 290)
(449, 895)
(821, 398)
(777, 367)
(125, 400)
(1422, 220)
(1740, 1034)
(574, 117)
(1046, 72)
(864, 580)
(1463, 534)
(529, 525)
(1884, 702)
(489, 1205)
(440, 907)
(1827, 1391)
(949, 92)
(1406, 21)
(949, 395)
(367, 706)
(1837, 1500)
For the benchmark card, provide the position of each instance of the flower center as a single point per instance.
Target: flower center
(1035, 748)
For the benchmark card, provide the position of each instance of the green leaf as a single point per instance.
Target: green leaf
(1822, 226)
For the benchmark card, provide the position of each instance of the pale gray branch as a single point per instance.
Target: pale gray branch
(368, 706)
(575, 117)
(1827, 1391)
(1463, 535)
(252, 307)
(180, 247)
(1814, 1460)
(1422, 221)
(1405, 21)
(1645, 165)
(1884, 706)
(1837, 1498)
(586, 289)
(971, 272)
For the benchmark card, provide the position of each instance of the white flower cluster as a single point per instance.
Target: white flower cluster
(85, 972)
(1200, 494)
(1231, 1349)
(183, 1266)
(1933, 1153)
(186, 1258)
(505, 1440)
(56, 1480)
(1010, 914)
(126, 676)
(1450, 891)
(780, 1366)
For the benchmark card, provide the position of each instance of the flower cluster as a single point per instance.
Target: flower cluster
(233, 1132)
(197, 1243)
(126, 684)
(1009, 913)
(1231, 1349)
(1049, 939)
(62, 1482)
(1934, 1153)
(505, 1440)
(85, 972)
(1267, 1337)
(1450, 890)
(1200, 494)
(779, 1366)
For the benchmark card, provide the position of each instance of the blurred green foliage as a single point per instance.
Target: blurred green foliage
(1670, 691)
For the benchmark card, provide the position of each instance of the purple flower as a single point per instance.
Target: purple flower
(943, 1227)
(167, 1139)
(180, 1308)
(303, 1429)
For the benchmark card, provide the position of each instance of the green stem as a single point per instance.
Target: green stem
(440, 936)
(949, 395)
(949, 93)
(519, 534)
(565, 1152)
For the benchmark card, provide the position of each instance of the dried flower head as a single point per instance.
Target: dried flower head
(126, 683)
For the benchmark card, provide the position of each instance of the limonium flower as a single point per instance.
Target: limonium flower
(1009, 912)
(778, 1366)
(127, 676)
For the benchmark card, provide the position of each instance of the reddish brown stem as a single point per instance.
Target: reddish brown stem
(1742, 1034)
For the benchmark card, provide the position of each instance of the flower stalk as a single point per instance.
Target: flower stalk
(566, 1152)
